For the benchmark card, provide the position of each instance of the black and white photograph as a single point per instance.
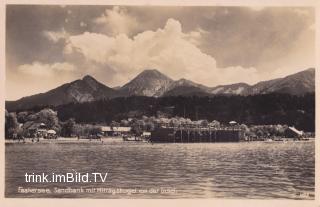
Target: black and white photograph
(160, 102)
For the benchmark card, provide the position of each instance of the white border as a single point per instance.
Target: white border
(25, 202)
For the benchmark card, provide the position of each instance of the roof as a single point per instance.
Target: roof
(106, 129)
(115, 129)
(121, 129)
(41, 130)
(296, 131)
(146, 133)
(51, 131)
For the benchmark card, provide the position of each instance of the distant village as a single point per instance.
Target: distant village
(46, 125)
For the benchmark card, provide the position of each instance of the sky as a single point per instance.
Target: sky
(49, 45)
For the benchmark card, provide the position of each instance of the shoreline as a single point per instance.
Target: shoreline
(67, 140)
(120, 140)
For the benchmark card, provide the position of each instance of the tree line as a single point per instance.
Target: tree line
(267, 109)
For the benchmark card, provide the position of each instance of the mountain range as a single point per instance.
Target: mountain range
(155, 84)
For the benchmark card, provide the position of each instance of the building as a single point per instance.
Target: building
(146, 135)
(34, 129)
(292, 132)
(115, 131)
(233, 123)
(51, 134)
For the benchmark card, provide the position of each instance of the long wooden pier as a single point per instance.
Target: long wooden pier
(195, 135)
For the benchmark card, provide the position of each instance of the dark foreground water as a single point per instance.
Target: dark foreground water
(141, 170)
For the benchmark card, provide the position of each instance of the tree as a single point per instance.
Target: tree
(95, 130)
(214, 123)
(244, 127)
(49, 117)
(124, 122)
(174, 122)
(141, 124)
(262, 109)
(150, 126)
(136, 130)
(68, 128)
(11, 125)
(22, 116)
(87, 130)
(259, 133)
(114, 124)
(204, 123)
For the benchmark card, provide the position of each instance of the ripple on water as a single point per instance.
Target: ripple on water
(217, 170)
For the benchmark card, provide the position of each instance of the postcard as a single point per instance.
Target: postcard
(142, 102)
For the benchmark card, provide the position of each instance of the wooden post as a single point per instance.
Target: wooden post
(215, 135)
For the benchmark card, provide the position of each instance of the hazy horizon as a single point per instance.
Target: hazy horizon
(47, 46)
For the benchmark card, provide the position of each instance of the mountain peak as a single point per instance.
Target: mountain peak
(147, 83)
(185, 81)
(91, 82)
(309, 70)
(88, 78)
(151, 73)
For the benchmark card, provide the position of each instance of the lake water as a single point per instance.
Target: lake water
(212, 170)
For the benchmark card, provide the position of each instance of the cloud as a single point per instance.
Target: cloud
(117, 21)
(82, 24)
(195, 36)
(56, 36)
(166, 49)
(95, 47)
(207, 44)
(45, 70)
(38, 77)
